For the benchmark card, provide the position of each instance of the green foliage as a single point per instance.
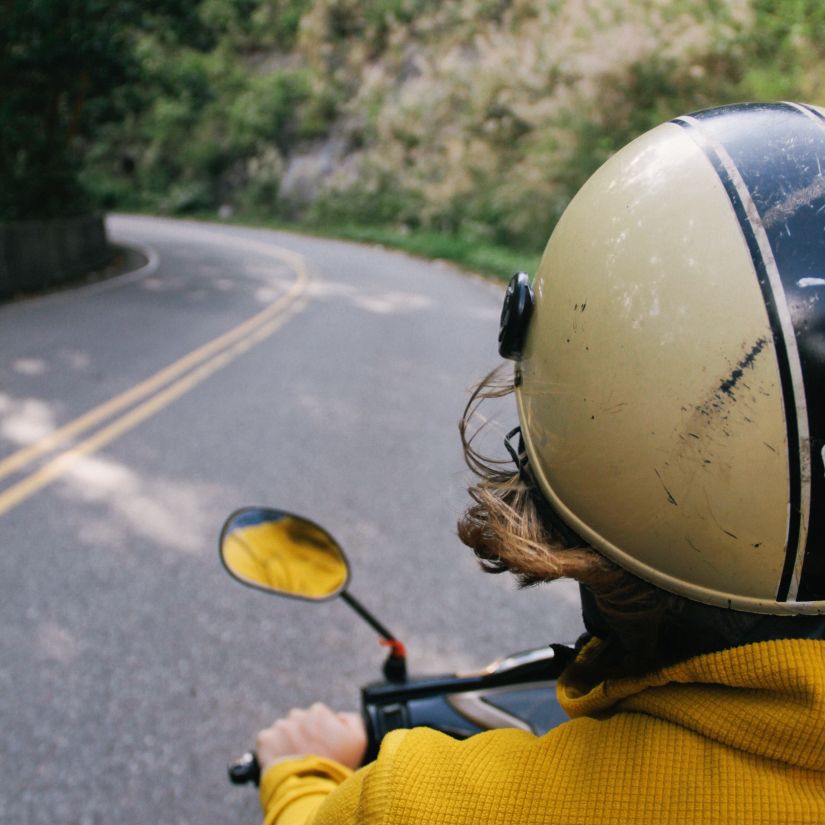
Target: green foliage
(785, 50)
(254, 25)
(216, 131)
(383, 203)
(348, 18)
(66, 67)
(475, 120)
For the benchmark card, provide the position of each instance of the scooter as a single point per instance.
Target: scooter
(288, 555)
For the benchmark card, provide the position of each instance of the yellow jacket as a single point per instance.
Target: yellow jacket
(731, 737)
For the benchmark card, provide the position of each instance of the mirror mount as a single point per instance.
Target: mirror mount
(395, 665)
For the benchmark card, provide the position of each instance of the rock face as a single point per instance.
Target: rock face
(311, 170)
(36, 255)
(484, 115)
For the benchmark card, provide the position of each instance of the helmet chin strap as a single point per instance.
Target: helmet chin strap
(546, 512)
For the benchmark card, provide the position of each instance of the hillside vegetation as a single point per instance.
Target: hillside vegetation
(472, 119)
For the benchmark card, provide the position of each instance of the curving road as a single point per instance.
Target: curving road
(238, 366)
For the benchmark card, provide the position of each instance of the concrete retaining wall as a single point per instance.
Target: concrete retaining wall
(36, 255)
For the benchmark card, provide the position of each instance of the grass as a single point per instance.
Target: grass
(491, 260)
(499, 262)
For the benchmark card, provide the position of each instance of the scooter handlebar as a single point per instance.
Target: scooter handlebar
(245, 770)
(521, 687)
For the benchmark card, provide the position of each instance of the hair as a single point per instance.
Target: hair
(644, 626)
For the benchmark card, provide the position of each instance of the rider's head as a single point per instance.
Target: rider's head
(670, 379)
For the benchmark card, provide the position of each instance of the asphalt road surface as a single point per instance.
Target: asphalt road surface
(238, 366)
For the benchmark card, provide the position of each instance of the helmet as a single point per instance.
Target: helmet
(670, 355)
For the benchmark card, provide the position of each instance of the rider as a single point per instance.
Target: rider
(670, 383)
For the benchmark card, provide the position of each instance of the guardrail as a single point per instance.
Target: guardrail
(37, 255)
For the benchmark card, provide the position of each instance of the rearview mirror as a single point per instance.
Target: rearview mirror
(283, 553)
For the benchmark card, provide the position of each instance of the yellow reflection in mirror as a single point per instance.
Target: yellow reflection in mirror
(284, 553)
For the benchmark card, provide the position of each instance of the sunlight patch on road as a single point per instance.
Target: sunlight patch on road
(334, 414)
(265, 294)
(96, 478)
(75, 359)
(393, 303)
(172, 513)
(29, 366)
(484, 313)
(55, 643)
(152, 284)
(390, 302)
(24, 421)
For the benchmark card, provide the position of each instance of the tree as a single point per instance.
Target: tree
(66, 68)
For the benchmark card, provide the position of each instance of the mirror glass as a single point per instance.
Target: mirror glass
(283, 553)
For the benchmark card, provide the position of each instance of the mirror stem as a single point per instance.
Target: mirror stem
(395, 668)
(367, 616)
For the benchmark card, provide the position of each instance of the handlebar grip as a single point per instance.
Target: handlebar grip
(245, 770)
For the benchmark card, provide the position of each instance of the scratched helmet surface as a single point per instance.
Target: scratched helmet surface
(671, 384)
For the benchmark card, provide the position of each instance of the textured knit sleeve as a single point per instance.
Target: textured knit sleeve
(316, 791)
(423, 777)
(419, 777)
(292, 790)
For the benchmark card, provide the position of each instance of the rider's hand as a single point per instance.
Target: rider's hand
(317, 731)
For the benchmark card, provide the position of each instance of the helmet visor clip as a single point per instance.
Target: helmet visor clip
(515, 316)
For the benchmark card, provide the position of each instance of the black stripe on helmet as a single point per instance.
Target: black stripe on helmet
(777, 151)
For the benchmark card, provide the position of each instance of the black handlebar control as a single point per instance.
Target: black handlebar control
(245, 770)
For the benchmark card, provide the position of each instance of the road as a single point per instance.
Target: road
(238, 366)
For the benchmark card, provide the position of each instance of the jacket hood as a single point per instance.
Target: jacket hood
(767, 699)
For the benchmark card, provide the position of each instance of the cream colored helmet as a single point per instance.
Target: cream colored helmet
(671, 359)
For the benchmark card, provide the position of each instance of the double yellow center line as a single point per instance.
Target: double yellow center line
(128, 409)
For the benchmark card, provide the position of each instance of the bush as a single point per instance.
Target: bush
(479, 118)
